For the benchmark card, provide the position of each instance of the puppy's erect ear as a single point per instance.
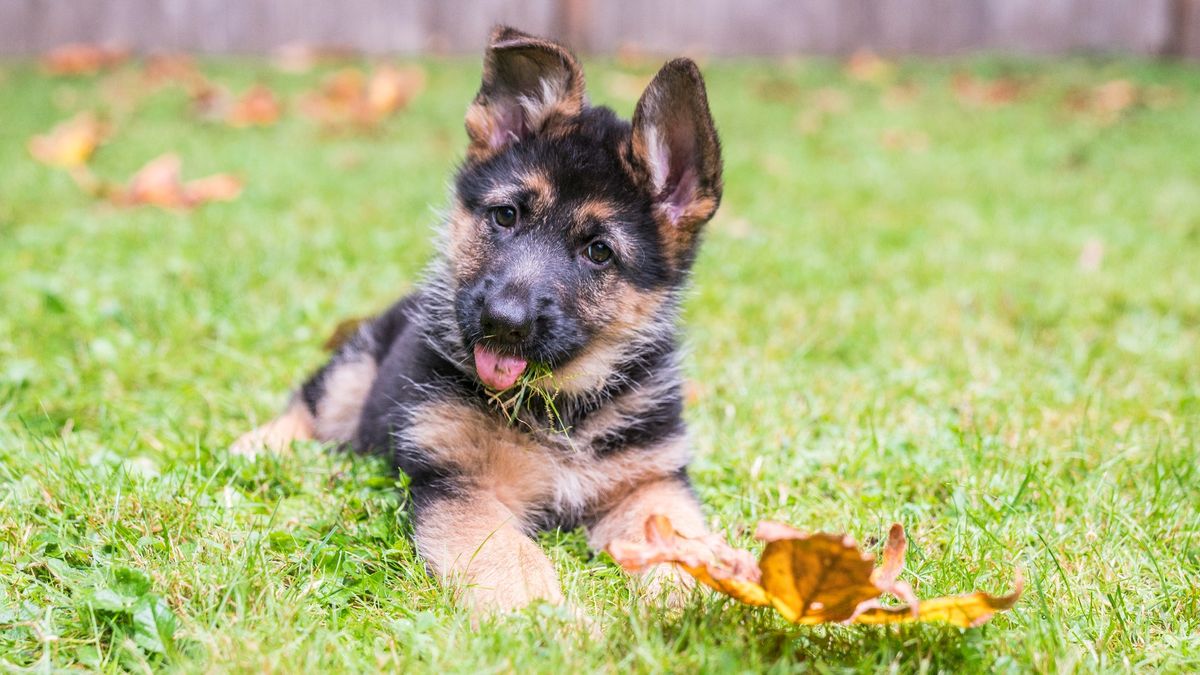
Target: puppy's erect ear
(676, 152)
(528, 85)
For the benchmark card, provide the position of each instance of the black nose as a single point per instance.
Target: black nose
(506, 319)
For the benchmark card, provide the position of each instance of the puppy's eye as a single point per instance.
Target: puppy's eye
(598, 252)
(504, 216)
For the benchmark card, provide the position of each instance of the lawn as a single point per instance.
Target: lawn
(926, 299)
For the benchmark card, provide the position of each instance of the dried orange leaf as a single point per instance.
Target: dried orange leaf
(814, 578)
(220, 187)
(390, 89)
(974, 92)
(351, 98)
(71, 143)
(1106, 102)
(865, 65)
(965, 611)
(172, 68)
(257, 107)
(808, 578)
(159, 183)
(710, 560)
(82, 59)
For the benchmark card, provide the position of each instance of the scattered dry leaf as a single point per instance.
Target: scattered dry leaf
(71, 143)
(352, 98)
(865, 65)
(1115, 96)
(808, 578)
(390, 89)
(210, 102)
(814, 578)
(974, 92)
(162, 69)
(710, 560)
(160, 183)
(1107, 102)
(83, 59)
(258, 107)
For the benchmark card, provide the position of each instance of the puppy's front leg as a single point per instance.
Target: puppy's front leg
(626, 521)
(474, 540)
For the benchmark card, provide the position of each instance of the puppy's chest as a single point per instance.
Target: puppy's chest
(535, 473)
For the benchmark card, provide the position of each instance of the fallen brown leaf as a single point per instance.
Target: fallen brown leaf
(352, 98)
(390, 89)
(1107, 102)
(71, 143)
(865, 65)
(808, 578)
(979, 93)
(83, 59)
(159, 183)
(1115, 96)
(710, 560)
(814, 578)
(257, 107)
(161, 69)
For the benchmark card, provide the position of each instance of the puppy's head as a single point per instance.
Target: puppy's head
(570, 228)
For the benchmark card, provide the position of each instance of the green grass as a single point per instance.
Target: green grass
(877, 334)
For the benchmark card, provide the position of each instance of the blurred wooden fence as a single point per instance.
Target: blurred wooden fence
(721, 27)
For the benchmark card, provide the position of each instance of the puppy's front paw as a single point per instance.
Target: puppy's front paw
(666, 583)
(502, 588)
(277, 435)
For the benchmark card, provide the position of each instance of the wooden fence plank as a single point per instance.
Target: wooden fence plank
(719, 27)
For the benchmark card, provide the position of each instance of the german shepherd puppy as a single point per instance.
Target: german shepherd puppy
(565, 253)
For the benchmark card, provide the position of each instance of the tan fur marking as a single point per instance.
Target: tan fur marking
(625, 311)
(678, 235)
(589, 370)
(634, 308)
(480, 125)
(476, 542)
(524, 475)
(295, 424)
(543, 190)
(465, 251)
(595, 209)
(341, 404)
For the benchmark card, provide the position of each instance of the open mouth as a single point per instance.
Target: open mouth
(498, 371)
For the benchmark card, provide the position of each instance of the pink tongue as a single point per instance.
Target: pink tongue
(497, 371)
